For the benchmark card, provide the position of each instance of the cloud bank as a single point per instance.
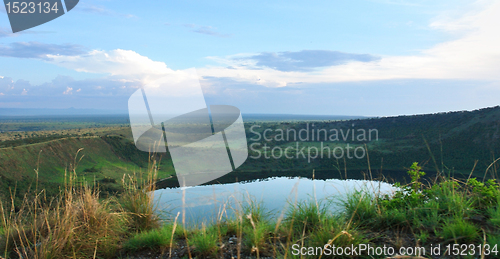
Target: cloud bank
(307, 60)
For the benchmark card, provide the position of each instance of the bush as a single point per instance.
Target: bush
(484, 195)
(459, 230)
(494, 214)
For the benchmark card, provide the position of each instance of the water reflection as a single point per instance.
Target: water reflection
(203, 204)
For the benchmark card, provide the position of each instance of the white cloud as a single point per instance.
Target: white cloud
(115, 62)
(69, 90)
(130, 67)
(125, 65)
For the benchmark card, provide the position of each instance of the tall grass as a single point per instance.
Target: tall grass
(77, 223)
(138, 197)
(138, 201)
(256, 228)
(305, 217)
(80, 224)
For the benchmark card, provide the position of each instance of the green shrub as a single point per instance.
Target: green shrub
(494, 214)
(415, 175)
(391, 218)
(453, 201)
(423, 237)
(427, 217)
(493, 239)
(459, 230)
(484, 195)
(256, 211)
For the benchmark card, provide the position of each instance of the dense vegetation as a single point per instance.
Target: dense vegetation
(453, 141)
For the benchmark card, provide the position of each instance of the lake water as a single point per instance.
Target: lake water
(203, 204)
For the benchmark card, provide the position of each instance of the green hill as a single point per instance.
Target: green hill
(448, 142)
(98, 159)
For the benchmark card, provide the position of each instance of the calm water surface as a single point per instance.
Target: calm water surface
(202, 204)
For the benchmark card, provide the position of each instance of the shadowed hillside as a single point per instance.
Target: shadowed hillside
(446, 142)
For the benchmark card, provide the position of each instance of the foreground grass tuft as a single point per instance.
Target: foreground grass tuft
(156, 239)
(76, 224)
(205, 241)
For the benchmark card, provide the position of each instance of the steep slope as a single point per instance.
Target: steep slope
(103, 160)
(448, 142)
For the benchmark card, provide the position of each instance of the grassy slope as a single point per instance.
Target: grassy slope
(103, 159)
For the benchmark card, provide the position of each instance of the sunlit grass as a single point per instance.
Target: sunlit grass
(155, 239)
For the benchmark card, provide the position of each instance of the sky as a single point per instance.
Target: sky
(345, 57)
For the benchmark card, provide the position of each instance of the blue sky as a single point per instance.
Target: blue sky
(371, 57)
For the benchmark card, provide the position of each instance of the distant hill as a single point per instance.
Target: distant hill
(456, 140)
(49, 112)
(451, 142)
(248, 117)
